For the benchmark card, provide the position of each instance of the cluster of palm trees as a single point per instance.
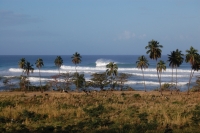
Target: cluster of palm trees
(27, 67)
(175, 59)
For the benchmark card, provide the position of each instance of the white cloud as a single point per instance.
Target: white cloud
(127, 35)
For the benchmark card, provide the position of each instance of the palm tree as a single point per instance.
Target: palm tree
(172, 63)
(76, 59)
(142, 63)
(58, 62)
(180, 59)
(28, 68)
(154, 51)
(160, 68)
(79, 80)
(22, 64)
(191, 57)
(112, 71)
(39, 63)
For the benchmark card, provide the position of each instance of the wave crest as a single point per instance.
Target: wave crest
(102, 62)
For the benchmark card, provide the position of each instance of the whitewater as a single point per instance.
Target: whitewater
(97, 64)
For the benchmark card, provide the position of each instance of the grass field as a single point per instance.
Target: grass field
(105, 111)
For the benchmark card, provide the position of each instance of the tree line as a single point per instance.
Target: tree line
(111, 77)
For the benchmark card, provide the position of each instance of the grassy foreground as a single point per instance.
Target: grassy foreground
(106, 111)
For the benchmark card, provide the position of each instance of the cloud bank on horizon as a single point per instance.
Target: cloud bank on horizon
(97, 27)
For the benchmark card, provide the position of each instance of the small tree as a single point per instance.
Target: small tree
(99, 80)
(122, 78)
(8, 82)
(78, 80)
(112, 72)
(67, 77)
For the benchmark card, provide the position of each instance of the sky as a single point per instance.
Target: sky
(97, 27)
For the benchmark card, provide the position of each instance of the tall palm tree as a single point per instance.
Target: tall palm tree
(28, 68)
(22, 64)
(39, 63)
(112, 71)
(160, 68)
(191, 57)
(154, 51)
(142, 63)
(172, 63)
(180, 59)
(76, 59)
(58, 62)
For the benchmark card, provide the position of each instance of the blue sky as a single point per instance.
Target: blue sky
(97, 27)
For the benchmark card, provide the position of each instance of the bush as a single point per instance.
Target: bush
(95, 112)
(4, 104)
(137, 96)
(32, 115)
(196, 115)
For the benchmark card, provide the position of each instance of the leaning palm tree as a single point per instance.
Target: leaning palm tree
(39, 63)
(28, 68)
(191, 57)
(154, 51)
(142, 63)
(58, 62)
(22, 64)
(160, 68)
(112, 71)
(76, 59)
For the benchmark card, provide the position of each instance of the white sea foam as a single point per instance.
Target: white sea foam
(155, 75)
(150, 72)
(153, 83)
(103, 62)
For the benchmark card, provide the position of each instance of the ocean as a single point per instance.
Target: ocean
(95, 64)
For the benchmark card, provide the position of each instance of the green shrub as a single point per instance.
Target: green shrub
(4, 104)
(95, 112)
(196, 115)
(137, 96)
(32, 115)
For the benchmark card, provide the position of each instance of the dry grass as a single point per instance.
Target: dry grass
(120, 108)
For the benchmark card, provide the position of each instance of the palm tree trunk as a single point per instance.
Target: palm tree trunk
(76, 79)
(176, 79)
(28, 81)
(160, 84)
(172, 79)
(191, 75)
(144, 81)
(40, 82)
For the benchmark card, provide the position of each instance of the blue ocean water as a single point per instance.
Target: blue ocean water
(96, 63)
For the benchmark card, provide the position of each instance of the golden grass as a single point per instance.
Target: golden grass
(122, 107)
